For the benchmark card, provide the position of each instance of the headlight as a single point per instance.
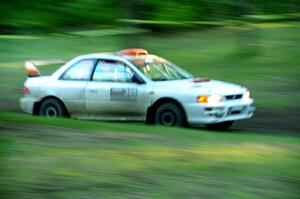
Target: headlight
(209, 99)
(246, 95)
(214, 98)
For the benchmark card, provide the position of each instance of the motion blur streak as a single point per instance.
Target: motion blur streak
(113, 160)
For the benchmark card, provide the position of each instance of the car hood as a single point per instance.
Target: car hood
(207, 87)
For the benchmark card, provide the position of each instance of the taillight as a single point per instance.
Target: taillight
(26, 90)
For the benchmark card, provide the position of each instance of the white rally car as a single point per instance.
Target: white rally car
(132, 85)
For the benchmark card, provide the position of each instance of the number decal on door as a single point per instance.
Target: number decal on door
(123, 94)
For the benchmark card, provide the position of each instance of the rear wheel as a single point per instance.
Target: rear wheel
(169, 114)
(52, 108)
(220, 126)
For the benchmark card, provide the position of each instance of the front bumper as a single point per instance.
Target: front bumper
(226, 111)
(27, 104)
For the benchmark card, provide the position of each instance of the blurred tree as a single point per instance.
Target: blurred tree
(50, 15)
(171, 10)
(133, 9)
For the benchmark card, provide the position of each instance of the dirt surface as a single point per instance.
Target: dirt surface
(271, 121)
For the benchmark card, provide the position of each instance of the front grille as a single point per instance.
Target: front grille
(234, 97)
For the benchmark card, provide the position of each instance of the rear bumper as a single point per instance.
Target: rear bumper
(27, 104)
(227, 111)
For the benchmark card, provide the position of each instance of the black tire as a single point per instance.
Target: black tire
(52, 108)
(220, 126)
(169, 114)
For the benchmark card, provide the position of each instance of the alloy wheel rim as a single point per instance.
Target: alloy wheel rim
(51, 112)
(168, 118)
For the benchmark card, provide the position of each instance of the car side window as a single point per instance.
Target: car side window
(79, 71)
(112, 71)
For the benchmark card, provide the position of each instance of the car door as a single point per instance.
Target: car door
(113, 95)
(71, 86)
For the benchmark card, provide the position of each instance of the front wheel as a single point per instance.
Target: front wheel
(169, 114)
(220, 126)
(52, 108)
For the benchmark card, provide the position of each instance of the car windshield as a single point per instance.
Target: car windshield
(160, 70)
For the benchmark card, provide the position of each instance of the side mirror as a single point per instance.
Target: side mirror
(137, 79)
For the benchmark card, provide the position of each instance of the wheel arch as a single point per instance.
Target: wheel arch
(37, 105)
(151, 110)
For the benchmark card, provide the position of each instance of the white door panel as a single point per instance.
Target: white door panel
(116, 100)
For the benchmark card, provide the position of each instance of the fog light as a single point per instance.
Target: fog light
(219, 115)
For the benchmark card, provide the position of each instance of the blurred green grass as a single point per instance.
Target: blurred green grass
(262, 57)
(66, 158)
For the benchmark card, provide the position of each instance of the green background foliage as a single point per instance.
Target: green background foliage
(50, 15)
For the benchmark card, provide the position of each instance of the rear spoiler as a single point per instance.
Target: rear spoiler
(32, 71)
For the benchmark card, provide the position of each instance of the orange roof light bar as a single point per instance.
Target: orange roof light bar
(133, 52)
